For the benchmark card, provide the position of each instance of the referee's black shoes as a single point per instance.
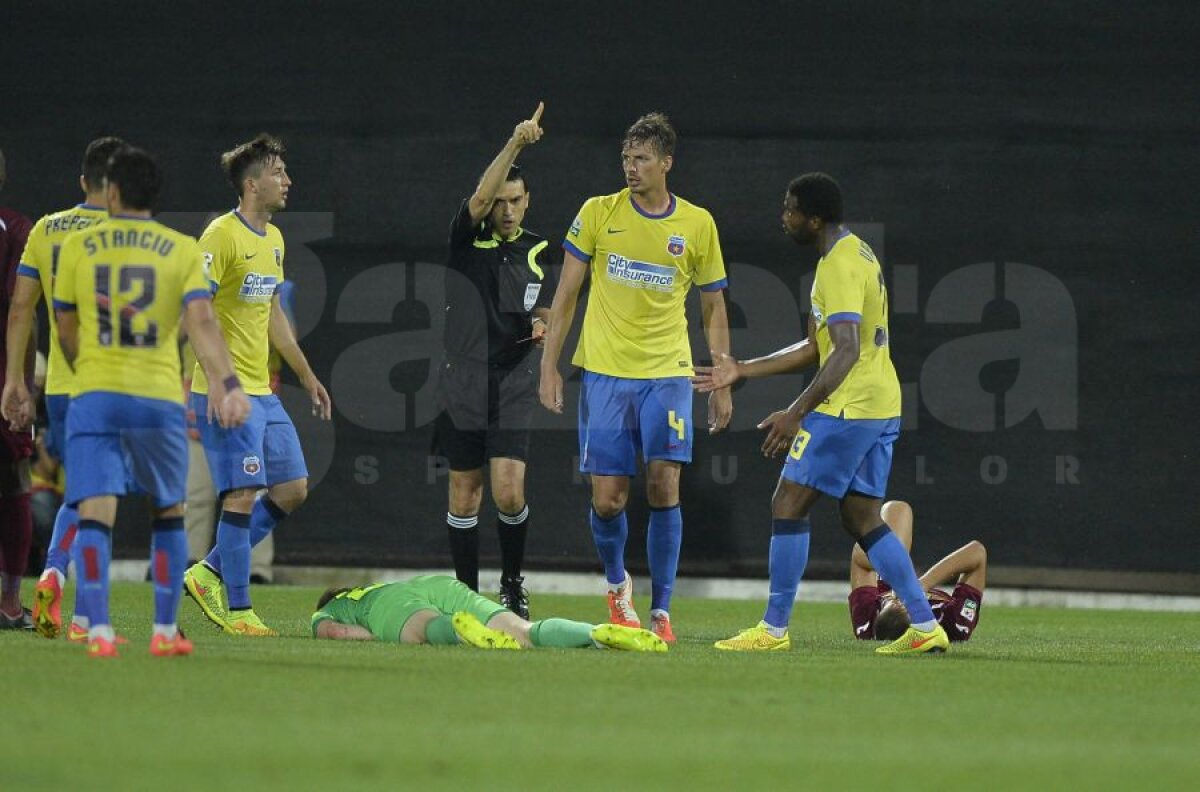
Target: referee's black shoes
(514, 596)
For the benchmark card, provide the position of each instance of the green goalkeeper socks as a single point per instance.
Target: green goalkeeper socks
(440, 632)
(561, 634)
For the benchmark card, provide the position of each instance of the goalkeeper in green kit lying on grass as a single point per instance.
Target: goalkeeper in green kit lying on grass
(437, 609)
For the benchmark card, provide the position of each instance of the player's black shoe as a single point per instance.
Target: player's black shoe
(514, 596)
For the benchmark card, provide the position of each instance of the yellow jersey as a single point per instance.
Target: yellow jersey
(642, 266)
(849, 288)
(129, 279)
(40, 261)
(245, 268)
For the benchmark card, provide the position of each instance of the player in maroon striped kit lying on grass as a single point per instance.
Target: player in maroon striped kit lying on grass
(876, 613)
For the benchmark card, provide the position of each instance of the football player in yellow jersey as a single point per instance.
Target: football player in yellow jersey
(244, 258)
(644, 248)
(36, 278)
(839, 432)
(119, 292)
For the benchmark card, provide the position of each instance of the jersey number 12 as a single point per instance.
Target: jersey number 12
(130, 278)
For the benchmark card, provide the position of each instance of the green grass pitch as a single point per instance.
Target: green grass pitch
(1039, 699)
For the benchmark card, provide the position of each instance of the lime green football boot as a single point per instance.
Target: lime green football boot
(208, 590)
(916, 642)
(629, 639)
(755, 639)
(473, 632)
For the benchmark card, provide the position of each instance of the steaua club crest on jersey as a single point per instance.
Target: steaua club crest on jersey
(675, 245)
(278, 257)
(251, 465)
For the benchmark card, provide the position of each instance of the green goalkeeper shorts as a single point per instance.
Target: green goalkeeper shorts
(394, 605)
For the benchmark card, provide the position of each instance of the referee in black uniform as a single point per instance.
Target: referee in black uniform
(499, 287)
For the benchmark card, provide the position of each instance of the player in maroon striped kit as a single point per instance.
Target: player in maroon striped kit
(875, 612)
(16, 521)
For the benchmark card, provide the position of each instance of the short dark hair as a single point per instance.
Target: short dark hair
(330, 594)
(817, 195)
(137, 177)
(891, 621)
(239, 161)
(515, 173)
(655, 129)
(95, 160)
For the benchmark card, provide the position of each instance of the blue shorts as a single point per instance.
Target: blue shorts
(55, 438)
(838, 455)
(126, 444)
(262, 452)
(619, 417)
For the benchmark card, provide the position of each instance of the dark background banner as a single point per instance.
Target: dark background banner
(1026, 173)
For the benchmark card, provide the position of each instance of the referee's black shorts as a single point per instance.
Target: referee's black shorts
(486, 413)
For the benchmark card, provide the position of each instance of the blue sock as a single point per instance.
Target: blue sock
(788, 558)
(213, 559)
(233, 546)
(263, 518)
(66, 525)
(168, 559)
(94, 547)
(610, 536)
(891, 561)
(663, 538)
(80, 602)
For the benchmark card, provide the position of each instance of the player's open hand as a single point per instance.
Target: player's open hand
(724, 372)
(720, 410)
(528, 132)
(233, 410)
(16, 406)
(781, 427)
(322, 405)
(550, 391)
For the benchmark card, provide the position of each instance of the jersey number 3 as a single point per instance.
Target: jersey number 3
(132, 278)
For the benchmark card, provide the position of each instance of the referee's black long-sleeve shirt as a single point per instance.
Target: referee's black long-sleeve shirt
(492, 287)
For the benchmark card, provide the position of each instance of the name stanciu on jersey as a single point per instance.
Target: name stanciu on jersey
(640, 274)
(258, 288)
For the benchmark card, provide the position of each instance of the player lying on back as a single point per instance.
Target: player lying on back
(875, 612)
(439, 610)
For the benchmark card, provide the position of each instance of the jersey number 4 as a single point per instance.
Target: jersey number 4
(130, 279)
(676, 422)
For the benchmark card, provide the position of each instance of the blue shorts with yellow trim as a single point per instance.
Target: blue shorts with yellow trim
(840, 455)
(618, 417)
(122, 444)
(262, 452)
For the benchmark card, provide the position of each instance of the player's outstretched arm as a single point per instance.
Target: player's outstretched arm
(226, 399)
(716, 328)
(967, 564)
(562, 314)
(726, 370)
(15, 403)
(525, 133)
(782, 425)
(283, 338)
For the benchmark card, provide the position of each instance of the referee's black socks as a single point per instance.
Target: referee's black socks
(464, 547)
(512, 530)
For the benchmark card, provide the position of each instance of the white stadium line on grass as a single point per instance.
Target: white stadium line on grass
(704, 588)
